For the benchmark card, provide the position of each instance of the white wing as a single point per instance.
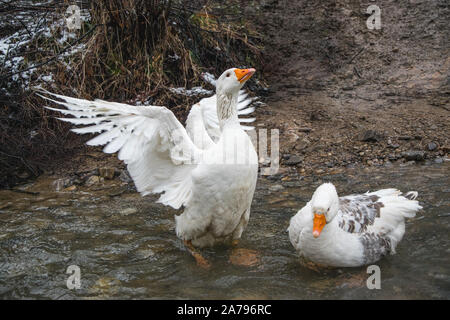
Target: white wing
(298, 222)
(158, 152)
(208, 108)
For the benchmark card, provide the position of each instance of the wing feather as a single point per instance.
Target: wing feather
(204, 115)
(358, 212)
(159, 154)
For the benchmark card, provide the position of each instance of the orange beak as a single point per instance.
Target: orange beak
(244, 74)
(319, 222)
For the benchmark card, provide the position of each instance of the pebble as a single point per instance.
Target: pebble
(432, 146)
(388, 164)
(293, 160)
(406, 164)
(71, 188)
(125, 177)
(276, 187)
(92, 180)
(414, 155)
(370, 136)
(128, 211)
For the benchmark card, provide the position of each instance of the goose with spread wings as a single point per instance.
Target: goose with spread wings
(351, 231)
(210, 167)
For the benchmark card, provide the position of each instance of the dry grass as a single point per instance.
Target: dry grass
(133, 50)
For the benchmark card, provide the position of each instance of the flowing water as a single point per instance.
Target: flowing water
(126, 247)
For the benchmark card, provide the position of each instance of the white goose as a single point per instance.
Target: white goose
(213, 177)
(351, 231)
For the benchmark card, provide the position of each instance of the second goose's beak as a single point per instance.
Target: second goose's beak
(319, 222)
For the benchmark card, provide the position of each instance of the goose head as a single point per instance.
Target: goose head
(227, 90)
(232, 80)
(325, 206)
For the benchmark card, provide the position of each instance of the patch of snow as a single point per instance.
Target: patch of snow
(208, 77)
(174, 57)
(195, 91)
(38, 23)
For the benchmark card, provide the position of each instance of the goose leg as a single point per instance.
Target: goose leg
(243, 257)
(201, 261)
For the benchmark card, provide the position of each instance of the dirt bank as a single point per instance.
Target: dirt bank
(344, 95)
(340, 94)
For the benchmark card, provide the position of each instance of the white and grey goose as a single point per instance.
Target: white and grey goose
(353, 230)
(162, 157)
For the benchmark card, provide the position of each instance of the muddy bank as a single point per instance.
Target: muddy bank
(343, 95)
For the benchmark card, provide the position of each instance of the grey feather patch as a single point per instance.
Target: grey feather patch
(375, 246)
(357, 212)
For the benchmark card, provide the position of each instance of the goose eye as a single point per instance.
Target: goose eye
(227, 75)
(328, 210)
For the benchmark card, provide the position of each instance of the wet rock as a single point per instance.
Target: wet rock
(432, 146)
(394, 146)
(405, 138)
(409, 163)
(275, 177)
(71, 188)
(414, 155)
(293, 160)
(107, 173)
(438, 160)
(128, 211)
(393, 157)
(245, 257)
(388, 164)
(125, 177)
(276, 187)
(370, 136)
(92, 180)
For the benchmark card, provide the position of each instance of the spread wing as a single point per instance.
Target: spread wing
(358, 212)
(159, 154)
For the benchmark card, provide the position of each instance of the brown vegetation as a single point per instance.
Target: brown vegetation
(133, 51)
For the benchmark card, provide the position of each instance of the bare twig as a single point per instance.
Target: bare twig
(53, 57)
